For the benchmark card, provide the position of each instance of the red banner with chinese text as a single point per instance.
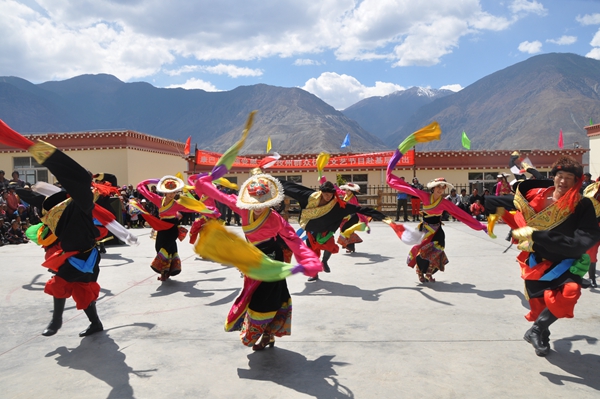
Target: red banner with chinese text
(377, 159)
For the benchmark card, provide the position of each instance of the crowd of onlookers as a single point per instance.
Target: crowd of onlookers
(15, 215)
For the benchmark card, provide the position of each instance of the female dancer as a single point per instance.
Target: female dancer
(349, 191)
(502, 186)
(167, 262)
(429, 255)
(264, 309)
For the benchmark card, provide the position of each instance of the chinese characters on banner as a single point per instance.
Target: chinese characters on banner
(377, 159)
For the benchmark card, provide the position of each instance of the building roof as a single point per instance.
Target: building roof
(105, 140)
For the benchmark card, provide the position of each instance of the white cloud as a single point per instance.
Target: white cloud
(589, 19)
(306, 61)
(341, 91)
(231, 70)
(221, 69)
(133, 39)
(594, 53)
(194, 83)
(596, 39)
(530, 47)
(455, 87)
(563, 40)
(524, 6)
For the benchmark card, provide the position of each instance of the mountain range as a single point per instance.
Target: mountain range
(523, 106)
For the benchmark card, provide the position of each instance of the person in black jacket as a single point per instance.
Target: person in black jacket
(69, 237)
(321, 214)
(554, 227)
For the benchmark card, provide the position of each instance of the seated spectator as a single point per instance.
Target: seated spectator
(15, 235)
(16, 180)
(455, 199)
(3, 214)
(3, 229)
(464, 201)
(478, 210)
(12, 199)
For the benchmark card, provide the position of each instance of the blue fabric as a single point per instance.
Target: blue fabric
(85, 266)
(556, 272)
(402, 196)
(346, 142)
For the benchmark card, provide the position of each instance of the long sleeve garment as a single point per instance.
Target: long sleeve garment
(274, 225)
(326, 218)
(75, 228)
(166, 211)
(569, 238)
(430, 207)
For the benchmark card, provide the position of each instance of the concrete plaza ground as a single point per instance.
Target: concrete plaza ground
(368, 329)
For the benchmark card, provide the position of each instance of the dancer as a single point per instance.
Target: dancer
(68, 232)
(502, 186)
(167, 262)
(348, 191)
(592, 191)
(322, 214)
(429, 255)
(554, 226)
(264, 308)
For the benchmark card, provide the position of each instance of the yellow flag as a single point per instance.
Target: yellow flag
(269, 144)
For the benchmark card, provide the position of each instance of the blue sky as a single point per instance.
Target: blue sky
(340, 50)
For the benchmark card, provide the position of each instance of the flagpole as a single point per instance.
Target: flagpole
(195, 155)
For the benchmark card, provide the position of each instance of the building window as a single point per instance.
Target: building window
(294, 178)
(482, 181)
(30, 170)
(361, 179)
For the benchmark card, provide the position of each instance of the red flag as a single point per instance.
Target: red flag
(269, 161)
(186, 150)
(561, 144)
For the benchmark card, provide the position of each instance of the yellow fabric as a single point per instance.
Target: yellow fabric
(192, 204)
(523, 233)
(41, 151)
(219, 245)
(322, 161)
(226, 183)
(546, 219)
(52, 216)
(493, 219)
(590, 192)
(360, 226)
(254, 224)
(313, 210)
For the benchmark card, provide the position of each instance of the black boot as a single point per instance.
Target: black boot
(538, 333)
(96, 325)
(326, 256)
(592, 274)
(56, 322)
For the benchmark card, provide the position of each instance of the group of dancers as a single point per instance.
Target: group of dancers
(552, 224)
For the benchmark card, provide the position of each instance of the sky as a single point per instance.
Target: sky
(340, 50)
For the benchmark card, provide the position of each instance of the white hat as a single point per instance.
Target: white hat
(170, 184)
(260, 191)
(502, 175)
(440, 181)
(351, 187)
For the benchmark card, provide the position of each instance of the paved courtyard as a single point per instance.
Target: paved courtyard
(368, 329)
